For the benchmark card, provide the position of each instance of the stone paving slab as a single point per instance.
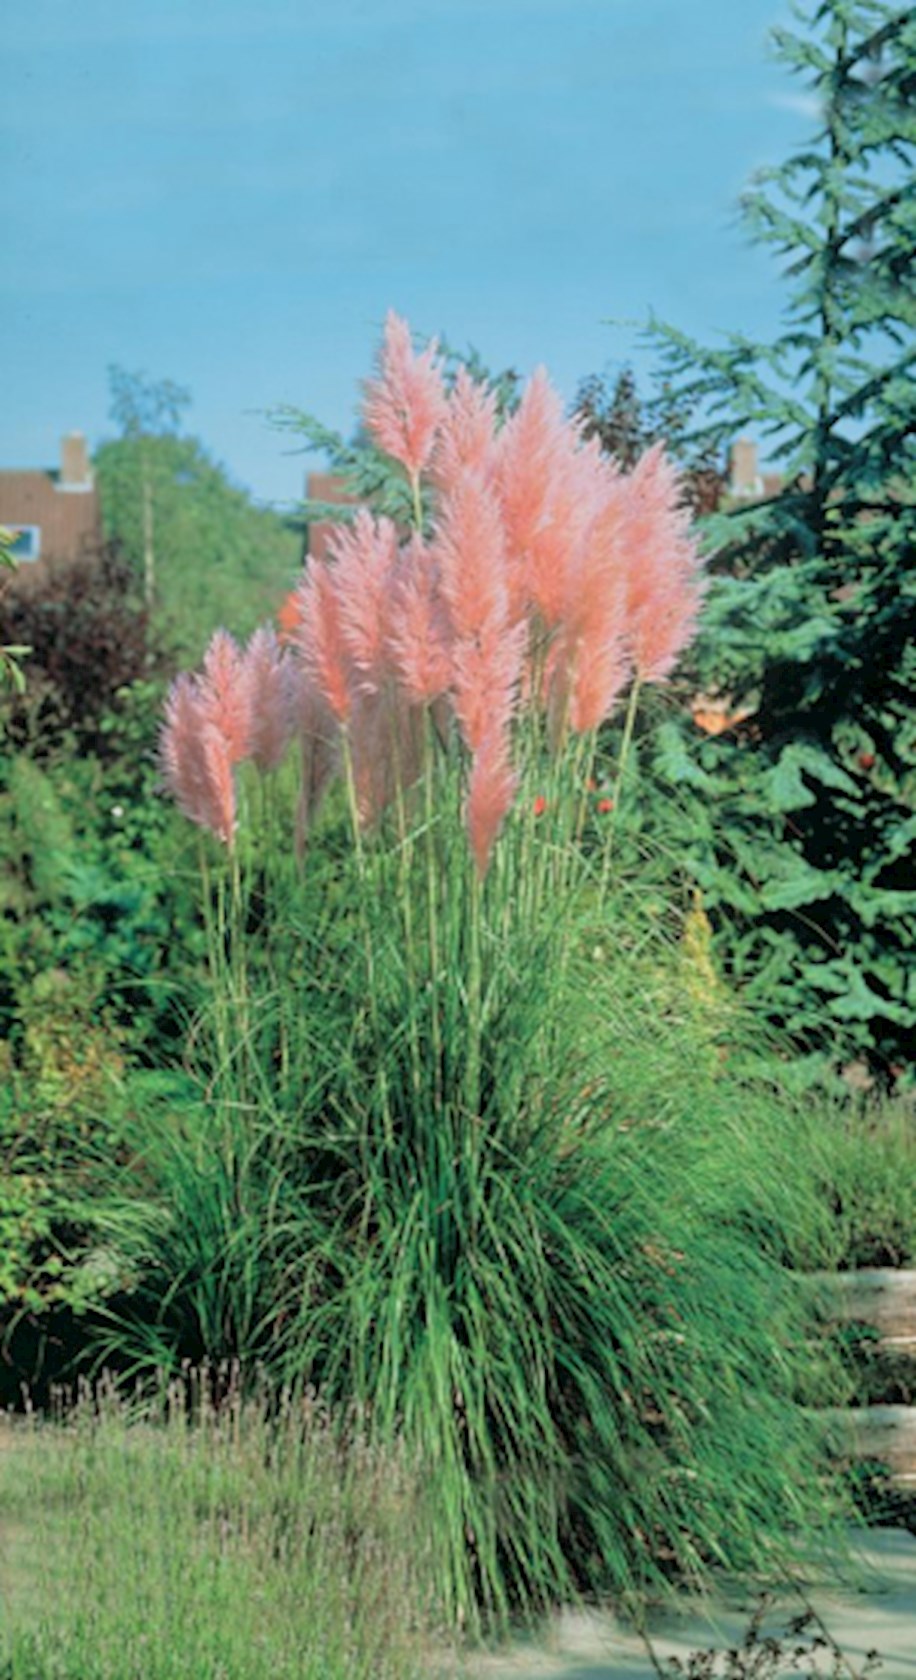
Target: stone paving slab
(584, 1645)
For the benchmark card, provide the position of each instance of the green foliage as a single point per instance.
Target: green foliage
(61, 1106)
(144, 407)
(467, 1157)
(207, 555)
(99, 930)
(252, 1542)
(871, 1183)
(97, 878)
(800, 819)
(98, 941)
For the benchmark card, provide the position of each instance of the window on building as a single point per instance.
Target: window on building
(26, 542)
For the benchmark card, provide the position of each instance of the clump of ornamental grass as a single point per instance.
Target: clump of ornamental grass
(264, 1540)
(463, 1158)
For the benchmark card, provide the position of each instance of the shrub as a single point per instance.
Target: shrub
(88, 637)
(463, 1155)
(800, 823)
(98, 879)
(97, 950)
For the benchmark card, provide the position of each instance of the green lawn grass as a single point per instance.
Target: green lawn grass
(234, 1546)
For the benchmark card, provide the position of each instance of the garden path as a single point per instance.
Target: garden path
(881, 1616)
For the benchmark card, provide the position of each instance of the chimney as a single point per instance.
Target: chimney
(74, 463)
(744, 479)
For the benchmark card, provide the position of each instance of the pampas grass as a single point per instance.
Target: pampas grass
(467, 1156)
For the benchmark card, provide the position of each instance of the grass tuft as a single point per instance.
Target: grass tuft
(515, 1200)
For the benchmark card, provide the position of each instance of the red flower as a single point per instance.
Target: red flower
(866, 760)
(605, 805)
(540, 805)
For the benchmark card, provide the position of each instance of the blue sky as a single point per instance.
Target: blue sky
(231, 194)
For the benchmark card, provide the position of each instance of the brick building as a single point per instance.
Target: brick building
(746, 483)
(54, 513)
(324, 487)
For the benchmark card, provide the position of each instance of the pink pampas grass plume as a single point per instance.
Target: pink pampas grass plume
(545, 496)
(491, 791)
(269, 674)
(418, 631)
(664, 585)
(486, 678)
(553, 563)
(364, 558)
(195, 761)
(405, 406)
(526, 444)
(469, 552)
(467, 435)
(592, 661)
(180, 750)
(319, 638)
(601, 671)
(486, 645)
(225, 692)
(222, 784)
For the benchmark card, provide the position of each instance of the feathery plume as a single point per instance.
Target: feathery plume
(289, 617)
(470, 555)
(526, 445)
(544, 495)
(319, 639)
(664, 585)
(268, 673)
(180, 754)
(364, 558)
(418, 629)
(486, 673)
(592, 661)
(405, 406)
(221, 784)
(195, 760)
(555, 562)
(225, 692)
(487, 647)
(467, 435)
(491, 790)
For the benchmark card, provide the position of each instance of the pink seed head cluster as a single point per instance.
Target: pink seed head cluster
(546, 578)
(241, 706)
(405, 405)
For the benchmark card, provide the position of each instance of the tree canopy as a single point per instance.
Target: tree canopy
(800, 819)
(208, 555)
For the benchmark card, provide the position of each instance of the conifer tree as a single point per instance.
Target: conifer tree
(802, 814)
